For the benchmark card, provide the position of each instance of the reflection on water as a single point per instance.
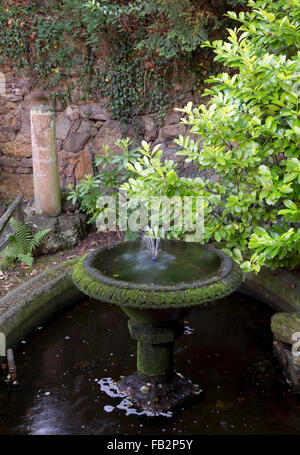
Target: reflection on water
(66, 372)
(108, 385)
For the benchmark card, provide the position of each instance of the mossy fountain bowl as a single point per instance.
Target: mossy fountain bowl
(156, 294)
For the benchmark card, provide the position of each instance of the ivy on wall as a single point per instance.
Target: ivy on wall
(141, 45)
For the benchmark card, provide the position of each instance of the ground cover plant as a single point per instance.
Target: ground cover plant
(21, 244)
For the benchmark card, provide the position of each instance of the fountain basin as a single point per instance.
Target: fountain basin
(220, 278)
(156, 295)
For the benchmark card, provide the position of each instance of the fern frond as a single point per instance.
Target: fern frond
(9, 252)
(22, 242)
(39, 237)
(22, 234)
(12, 238)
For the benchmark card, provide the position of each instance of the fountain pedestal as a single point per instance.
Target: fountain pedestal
(156, 386)
(154, 347)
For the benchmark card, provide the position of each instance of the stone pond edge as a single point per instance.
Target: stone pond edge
(280, 291)
(33, 303)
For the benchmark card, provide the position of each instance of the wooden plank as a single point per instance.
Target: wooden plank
(9, 212)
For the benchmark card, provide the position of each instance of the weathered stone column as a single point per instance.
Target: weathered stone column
(47, 198)
(156, 386)
(154, 347)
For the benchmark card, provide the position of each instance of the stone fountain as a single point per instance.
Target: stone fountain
(156, 294)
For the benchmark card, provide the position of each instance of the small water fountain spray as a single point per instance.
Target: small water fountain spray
(151, 240)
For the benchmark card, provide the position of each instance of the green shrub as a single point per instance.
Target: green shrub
(114, 172)
(249, 136)
(86, 192)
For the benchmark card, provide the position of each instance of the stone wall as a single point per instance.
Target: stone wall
(82, 131)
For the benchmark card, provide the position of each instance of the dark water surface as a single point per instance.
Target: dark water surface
(227, 350)
(178, 262)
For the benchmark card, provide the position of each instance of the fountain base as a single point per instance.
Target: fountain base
(156, 386)
(158, 394)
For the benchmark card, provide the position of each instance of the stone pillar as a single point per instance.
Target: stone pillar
(156, 387)
(47, 197)
(154, 347)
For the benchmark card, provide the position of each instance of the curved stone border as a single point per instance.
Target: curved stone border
(281, 291)
(91, 282)
(34, 302)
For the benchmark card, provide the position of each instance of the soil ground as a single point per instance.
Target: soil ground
(19, 274)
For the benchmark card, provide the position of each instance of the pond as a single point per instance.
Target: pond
(66, 372)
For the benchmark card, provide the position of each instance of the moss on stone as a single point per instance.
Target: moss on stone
(155, 359)
(155, 347)
(284, 325)
(99, 287)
